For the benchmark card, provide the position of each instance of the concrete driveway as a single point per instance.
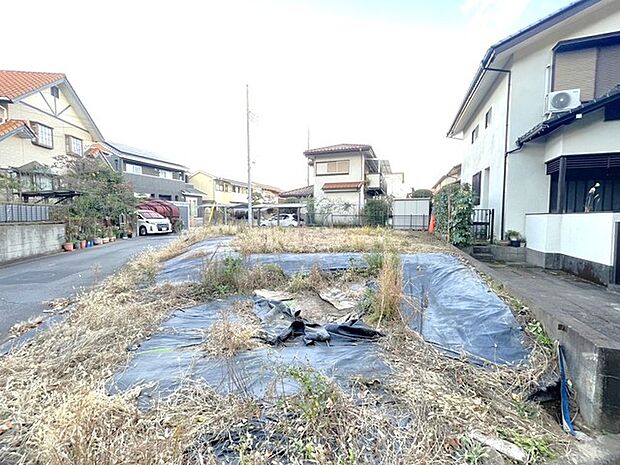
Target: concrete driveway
(27, 285)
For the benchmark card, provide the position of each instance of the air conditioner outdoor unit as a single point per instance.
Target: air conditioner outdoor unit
(563, 100)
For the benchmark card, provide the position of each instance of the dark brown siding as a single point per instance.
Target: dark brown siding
(575, 70)
(607, 69)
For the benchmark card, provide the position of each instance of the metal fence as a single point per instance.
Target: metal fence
(411, 222)
(24, 213)
(482, 224)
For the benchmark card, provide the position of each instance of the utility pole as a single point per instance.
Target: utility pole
(247, 120)
(307, 165)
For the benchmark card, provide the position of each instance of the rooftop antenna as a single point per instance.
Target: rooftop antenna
(247, 121)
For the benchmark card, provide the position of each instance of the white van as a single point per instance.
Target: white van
(150, 222)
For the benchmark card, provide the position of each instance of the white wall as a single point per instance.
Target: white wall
(356, 173)
(396, 187)
(527, 185)
(488, 150)
(589, 236)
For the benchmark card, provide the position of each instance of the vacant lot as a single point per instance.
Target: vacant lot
(55, 406)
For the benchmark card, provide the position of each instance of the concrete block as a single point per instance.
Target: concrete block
(22, 240)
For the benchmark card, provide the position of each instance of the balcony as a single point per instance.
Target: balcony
(375, 183)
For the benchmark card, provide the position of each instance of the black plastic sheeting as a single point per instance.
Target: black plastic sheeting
(446, 302)
(163, 361)
(453, 308)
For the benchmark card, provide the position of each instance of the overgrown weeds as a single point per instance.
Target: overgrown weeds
(52, 394)
(233, 332)
(309, 240)
(388, 297)
(232, 275)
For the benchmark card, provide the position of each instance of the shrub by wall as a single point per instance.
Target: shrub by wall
(453, 207)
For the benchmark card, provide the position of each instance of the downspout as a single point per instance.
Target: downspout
(506, 152)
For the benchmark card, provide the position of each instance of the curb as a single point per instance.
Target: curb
(603, 450)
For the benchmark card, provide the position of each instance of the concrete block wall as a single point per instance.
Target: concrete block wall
(21, 240)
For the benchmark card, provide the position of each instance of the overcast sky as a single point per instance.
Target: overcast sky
(170, 76)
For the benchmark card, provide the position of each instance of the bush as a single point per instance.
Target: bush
(453, 207)
(376, 212)
(421, 194)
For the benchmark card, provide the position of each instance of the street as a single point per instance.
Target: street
(26, 286)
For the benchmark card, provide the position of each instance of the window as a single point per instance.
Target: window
(135, 169)
(488, 118)
(587, 63)
(165, 174)
(475, 188)
(54, 91)
(325, 168)
(219, 187)
(74, 145)
(474, 134)
(44, 135)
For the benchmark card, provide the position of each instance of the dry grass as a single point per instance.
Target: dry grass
(77, 356)
(235, 330)
(232, 275)
(307, 240)
(457, 397)
(54, 410)
(387, 300)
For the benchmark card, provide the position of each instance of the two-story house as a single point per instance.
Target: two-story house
(539, 126)
(223, 191)
(41, 117)
(345, 176)
(151, 175)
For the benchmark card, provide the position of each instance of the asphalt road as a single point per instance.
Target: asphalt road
(26, 286)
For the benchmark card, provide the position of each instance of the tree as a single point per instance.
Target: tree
(376, 212)
(453, 207)
(8, 185)
(421, 194)
(104, 194)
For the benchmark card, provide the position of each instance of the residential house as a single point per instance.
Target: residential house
(268, 194)
(345, 176)
(395, 184)
(451, 177)
(220, 190)
(151, 175)
(41, 117)
(301, 193)
(223, 191)
(539, 126)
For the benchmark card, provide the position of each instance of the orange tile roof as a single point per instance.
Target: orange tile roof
(14, 84)
(12, 125)
(341, 186)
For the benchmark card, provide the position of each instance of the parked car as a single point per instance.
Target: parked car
(286, 219)
(150, 222)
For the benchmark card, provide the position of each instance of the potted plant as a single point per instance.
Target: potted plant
(82, 240)
(68, 246)
(514, 237)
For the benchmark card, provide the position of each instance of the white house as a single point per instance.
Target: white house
(345, 176)
(539, 126)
